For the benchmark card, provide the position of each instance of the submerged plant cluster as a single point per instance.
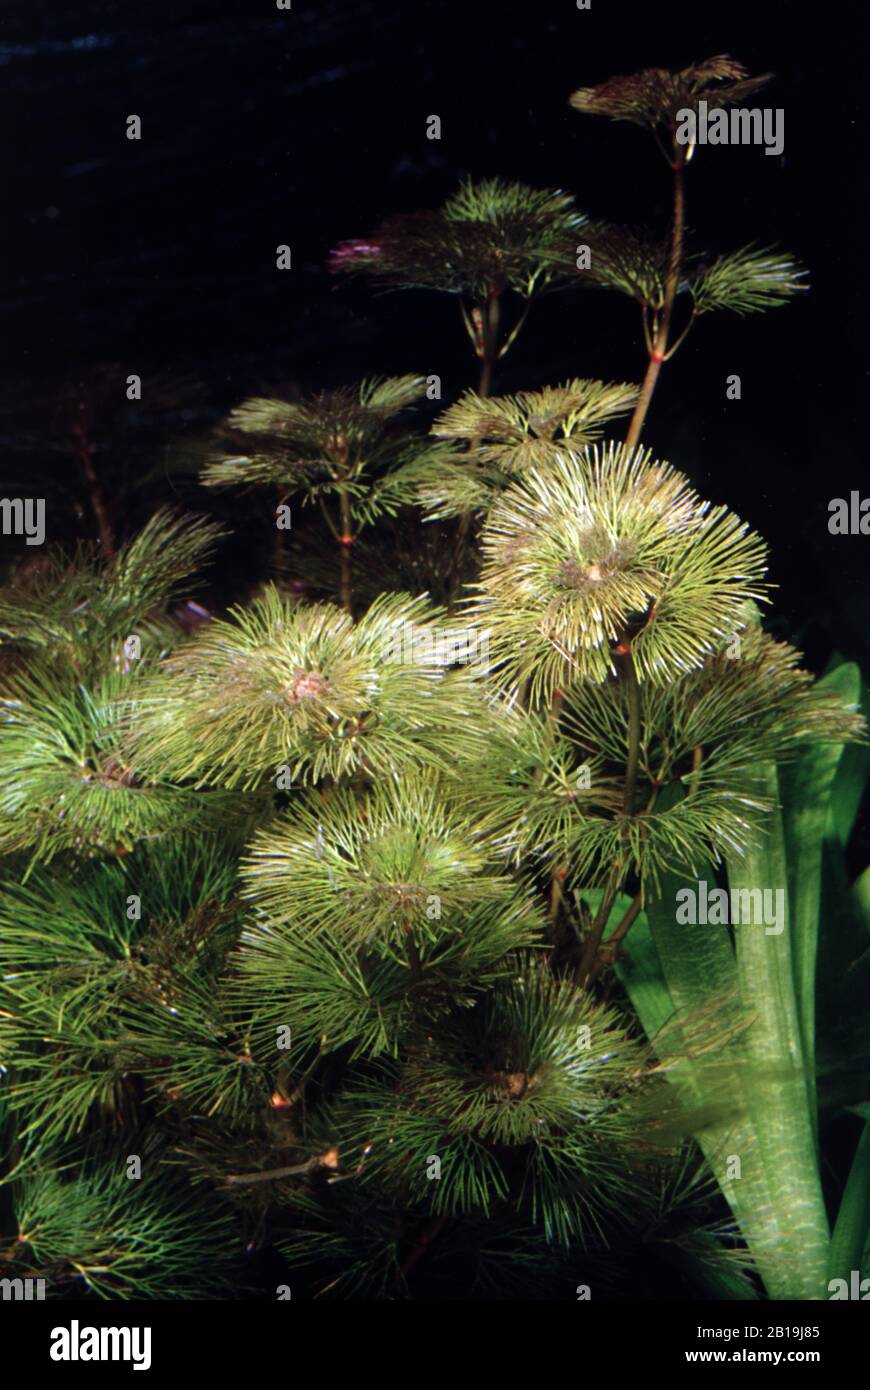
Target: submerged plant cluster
(320, 940)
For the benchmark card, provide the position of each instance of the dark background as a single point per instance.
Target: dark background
(305, 127)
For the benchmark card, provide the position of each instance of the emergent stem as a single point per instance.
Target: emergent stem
(99, 508)
(488, 351)
(345, 541)
(659, 344)
(489, 344)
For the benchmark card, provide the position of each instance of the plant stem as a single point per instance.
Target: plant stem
(271, 1174)
(345, 541)
(697, 763)
(511, 337)
(459, 553)
(413, 954)
(617, 936)
(584, 973)
(555, 893)
(628, 676)
(489, 344)
(84, 454)
(421, 1245)
(558, 869)
(488, 351)
(681, 339)
(586, 970)
(345, 533)
(659, 347)
(328, 519)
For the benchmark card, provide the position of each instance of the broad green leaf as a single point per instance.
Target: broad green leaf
(853, 1219)
(853, 769)
(806, 789)
(781, 1095)
(682, 981)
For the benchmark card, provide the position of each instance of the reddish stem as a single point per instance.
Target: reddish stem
(84, 454)
(659, 345)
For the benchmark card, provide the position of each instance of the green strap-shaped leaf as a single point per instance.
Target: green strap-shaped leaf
(682, 982)
(797, 1245)
(853, 768)
(806, 797)
(852, 1228)
(700, 968)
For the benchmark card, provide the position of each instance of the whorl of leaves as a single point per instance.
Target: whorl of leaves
(489, 236)
(343, 440)
(537, 790)
(507, 435)
(526, 1100)
(631, 262)
(555, 792)
(750, 701)
(561, 801)
(87, 1229)
(399, 861)
(95, 995)
(66, 782)
(84, 608)
(746, 704)
(747, 281)
(90, 632)
(302, 688)
(608, 547)
(519, 431)
(348, 1239)
(653, 97)
(366, 999)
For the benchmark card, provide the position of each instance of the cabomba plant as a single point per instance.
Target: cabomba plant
(391, 958)
(340, 449)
